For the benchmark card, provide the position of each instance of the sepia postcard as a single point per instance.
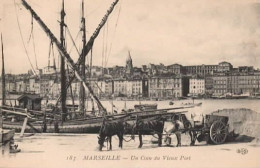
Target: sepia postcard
(130, 84)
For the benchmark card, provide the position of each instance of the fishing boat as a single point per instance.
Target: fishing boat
(142, 107)
(60, 119)
(192, 104)
(22, 118)
(255, 96)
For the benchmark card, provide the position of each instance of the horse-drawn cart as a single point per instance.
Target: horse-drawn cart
(212, 128)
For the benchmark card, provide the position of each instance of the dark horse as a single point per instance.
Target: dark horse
(145, 126)
(108, 129)
(180, 124)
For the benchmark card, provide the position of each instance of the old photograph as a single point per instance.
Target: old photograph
(130, 83)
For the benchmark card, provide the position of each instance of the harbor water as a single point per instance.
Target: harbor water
(208, 105)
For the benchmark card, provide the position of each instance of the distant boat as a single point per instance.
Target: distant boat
(240, 96)
(143, 107)
(171, 103)
(219, 96)
(255, 96)
(198, 104)
(192, 104)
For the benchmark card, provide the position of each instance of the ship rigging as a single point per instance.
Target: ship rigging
(57, 119)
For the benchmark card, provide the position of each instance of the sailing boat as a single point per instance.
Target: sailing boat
(56, 120)
(192, 104)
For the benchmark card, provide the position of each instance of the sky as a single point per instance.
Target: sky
(170, 31)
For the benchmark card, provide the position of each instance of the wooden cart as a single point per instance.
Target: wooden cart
(213, 129)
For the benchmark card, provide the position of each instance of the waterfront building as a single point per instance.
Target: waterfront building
(152, 70)
(249, 83)
(134, 88)
(10, 86)
(96, 71)
(176, 69)
(30, 101)
(145, 68)
(120, 87)
(137, 73)
(159, 69)
(225, 67)
(9, 83)
(145, 87)
(109, 87)
(31, 84)
(49, 70)
(154, 80)
(37, 87)
(117, 71)
(38, 72)
(219, 85)
(197, 86)
(55, 89)
(208, 85)
(21, 85)
(245, 69)
(101, 84)
(44, 87)
(201, 70)
(165, 87)
(94, 86)
(236, 83)
(104, 87)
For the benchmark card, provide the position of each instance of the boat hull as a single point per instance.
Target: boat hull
(66, 127)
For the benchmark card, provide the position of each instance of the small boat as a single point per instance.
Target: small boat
(192, 104)
(255, 96)
(171, 103)
(198, 104)
(143, 107)
(240, 96)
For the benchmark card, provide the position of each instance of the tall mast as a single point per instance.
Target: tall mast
(62, 65)
(82, 64)
(64, 53)
(3, 73)
(88, 45)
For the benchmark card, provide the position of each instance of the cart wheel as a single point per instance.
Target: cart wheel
(218, 132)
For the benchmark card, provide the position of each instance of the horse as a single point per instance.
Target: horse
(107, 130)
(145, 126)
(180, 124)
